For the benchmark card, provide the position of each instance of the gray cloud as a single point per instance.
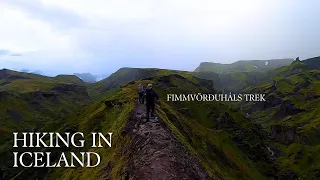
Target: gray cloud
(58, 17)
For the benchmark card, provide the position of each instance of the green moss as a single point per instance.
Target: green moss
(299, 86)
(297, 156)
(70, 79)
(98, 117)
(212, 147)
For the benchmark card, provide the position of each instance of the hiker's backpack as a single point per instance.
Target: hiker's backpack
(140, 89)
(149, 95)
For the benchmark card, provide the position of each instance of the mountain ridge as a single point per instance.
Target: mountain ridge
(243, 66)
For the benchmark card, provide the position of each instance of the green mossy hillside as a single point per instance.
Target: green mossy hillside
(291, 115)
(218, 134)
(237, 78)
(313, 62)
(29, 102)
(238, 81)
(70, 79)
(227, 144)
(124, 75)
(215, 143)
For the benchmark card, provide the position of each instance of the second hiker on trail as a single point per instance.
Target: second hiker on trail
(141, 93)
(150, 97)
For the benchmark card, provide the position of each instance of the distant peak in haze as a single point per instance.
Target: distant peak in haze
(25, 70)
(87, 77)
(33, 72)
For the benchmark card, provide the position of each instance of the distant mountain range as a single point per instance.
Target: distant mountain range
(90, 78)
(243, 66)
(86, 77)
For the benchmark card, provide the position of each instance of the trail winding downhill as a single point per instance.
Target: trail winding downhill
(154, 152)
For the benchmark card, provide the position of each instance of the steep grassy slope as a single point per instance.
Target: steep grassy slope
(70, 79)
(238, 81)
(237, 78)
(243, 66)
(294, 68)
(291, 114)
(228, 145)
(29, 102)
(313, 62)
(19, 82)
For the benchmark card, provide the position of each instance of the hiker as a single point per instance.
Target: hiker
(141, 93)
(150, 96)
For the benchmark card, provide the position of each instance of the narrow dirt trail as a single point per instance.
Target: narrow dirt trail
(154, 153)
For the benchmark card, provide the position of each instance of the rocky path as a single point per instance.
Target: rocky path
(154, 153)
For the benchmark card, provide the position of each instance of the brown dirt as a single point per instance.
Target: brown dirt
(154, 152)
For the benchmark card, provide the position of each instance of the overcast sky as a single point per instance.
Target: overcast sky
(100, 36)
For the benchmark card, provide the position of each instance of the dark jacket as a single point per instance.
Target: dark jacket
(140, 89)
(150, 96)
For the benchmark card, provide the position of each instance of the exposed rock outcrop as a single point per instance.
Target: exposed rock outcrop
(283, 134)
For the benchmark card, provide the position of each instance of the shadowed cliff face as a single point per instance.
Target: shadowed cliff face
(291, 116)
